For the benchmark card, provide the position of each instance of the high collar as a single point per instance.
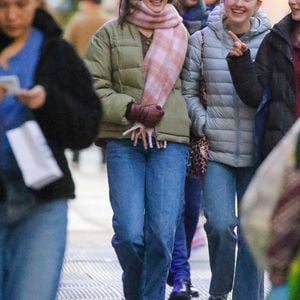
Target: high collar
(284, 28)
(45, 22)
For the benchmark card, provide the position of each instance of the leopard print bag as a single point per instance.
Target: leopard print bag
(198, 153)
(198, 149)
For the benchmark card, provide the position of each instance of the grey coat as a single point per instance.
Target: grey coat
(228, 122)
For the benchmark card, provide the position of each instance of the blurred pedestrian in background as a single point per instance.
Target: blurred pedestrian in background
(84, 23)
(211, 4)
(33, 222)
(228, 125)
(194, 16)
(193, 13)
(135, 62)
(284, 243)
(271, 216)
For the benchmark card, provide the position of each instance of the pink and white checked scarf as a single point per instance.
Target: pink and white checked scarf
(165, 57)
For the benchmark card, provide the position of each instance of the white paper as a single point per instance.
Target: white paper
(10, 83)
(33, 155)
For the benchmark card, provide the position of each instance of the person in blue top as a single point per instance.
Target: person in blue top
(33, 221)
(211, 4)
(193, 12)
(194, 16)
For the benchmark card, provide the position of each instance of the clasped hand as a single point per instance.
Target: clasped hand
(148, 115)
(144, 118)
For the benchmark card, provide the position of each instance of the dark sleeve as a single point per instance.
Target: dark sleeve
(71, 114)
(250, 78)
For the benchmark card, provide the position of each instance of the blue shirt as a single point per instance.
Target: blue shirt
(12, 112)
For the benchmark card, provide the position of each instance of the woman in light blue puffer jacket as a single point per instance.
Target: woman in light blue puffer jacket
(229, 126)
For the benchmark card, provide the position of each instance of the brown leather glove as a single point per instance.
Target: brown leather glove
(149, 115)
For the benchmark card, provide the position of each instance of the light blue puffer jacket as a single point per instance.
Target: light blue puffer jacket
(228, 122)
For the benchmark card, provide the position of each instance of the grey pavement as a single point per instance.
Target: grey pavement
(91, 270)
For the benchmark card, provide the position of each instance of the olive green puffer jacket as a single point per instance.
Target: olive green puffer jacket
(115, 61)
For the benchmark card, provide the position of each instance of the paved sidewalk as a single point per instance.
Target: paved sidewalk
(91, 270)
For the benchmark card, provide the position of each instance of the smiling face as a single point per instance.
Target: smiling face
(155, 5)
(16, 17)
(239, 12)
(295, 9)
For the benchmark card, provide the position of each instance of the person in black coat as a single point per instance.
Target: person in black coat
(274, 79)
(276, 72)
(56, 91)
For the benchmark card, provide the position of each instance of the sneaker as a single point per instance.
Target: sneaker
(224, 297)
(181, 291)
(193, 291)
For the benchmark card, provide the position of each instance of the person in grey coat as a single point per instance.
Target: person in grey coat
(229, 126)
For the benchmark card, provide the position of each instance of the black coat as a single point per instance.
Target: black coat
(273, 68)
(71, 114)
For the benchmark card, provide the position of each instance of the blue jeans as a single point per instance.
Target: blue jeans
(180, 267)
(32, 245)
(222, 186)
(146, 190)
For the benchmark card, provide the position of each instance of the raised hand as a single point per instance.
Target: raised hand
(238, 48)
